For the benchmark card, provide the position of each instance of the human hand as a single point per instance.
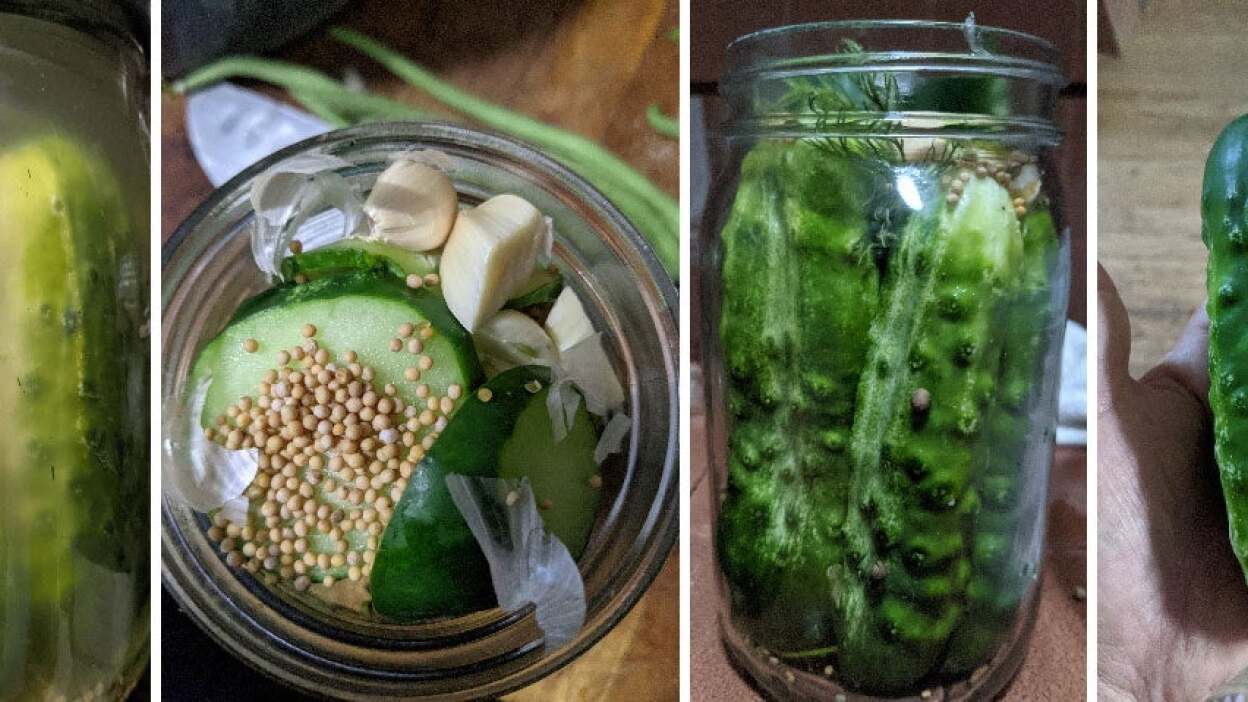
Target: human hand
(1173, 605)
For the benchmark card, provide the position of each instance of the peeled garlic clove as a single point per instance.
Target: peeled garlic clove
(921, 149)
(510, 339)
(489, 255)
(1027, 183)
(591, 372)
(567, 324)
(412, 205)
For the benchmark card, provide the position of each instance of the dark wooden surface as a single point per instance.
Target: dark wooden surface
(592, 67)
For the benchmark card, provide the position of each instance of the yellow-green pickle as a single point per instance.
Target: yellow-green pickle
(74, 544)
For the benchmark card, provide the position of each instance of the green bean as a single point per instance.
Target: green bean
(658, 221)
(661, 123)
(325, 93)
(653, 213)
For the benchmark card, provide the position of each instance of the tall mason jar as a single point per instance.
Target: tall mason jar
(74, 469)
(885, 285)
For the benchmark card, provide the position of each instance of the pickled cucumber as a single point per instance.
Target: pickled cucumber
(862, 338)
(73, 477)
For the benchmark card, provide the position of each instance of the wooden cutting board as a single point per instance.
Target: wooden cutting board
(1163, 101)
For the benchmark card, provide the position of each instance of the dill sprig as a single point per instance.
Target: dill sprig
(857, 109)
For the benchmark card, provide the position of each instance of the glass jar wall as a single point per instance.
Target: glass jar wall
(885, 294)
(74, 544)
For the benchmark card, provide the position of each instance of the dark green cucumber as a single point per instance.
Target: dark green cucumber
(359, 254)
(908, 556)
(1224, 214)
(998, 582)
(799, 297)
(357, 311)
(328, 261)
(350, 255)
(429, 564)
(560, 474)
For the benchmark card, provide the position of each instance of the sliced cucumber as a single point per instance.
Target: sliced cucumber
(366, 255)
(359, 254)
(326, 262)
(560, 473)
(359, 311)
(420, 263)
(429, 564)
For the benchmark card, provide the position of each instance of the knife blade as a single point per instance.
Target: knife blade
(230, 128)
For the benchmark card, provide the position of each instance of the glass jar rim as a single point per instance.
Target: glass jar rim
(892, 78)
(111, 20)
(959, 46)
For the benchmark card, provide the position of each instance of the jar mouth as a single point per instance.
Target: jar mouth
(814, 45)
(892, 71)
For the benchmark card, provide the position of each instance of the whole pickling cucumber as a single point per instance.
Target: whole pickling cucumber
(997, 583)
(73, 464)
(1224, 215)
(799, 296)
(931, 375)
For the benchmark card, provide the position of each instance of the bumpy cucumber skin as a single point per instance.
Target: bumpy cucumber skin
(798, 300)
(1224, 215)
(848, 529)
(909, 498)
(428, 564)
(998, 583)
(75, 462)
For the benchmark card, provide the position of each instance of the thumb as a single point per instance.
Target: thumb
(1186, 366)
(1113, 339)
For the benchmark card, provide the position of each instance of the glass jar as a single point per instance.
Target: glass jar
(345, 653)
(885, 295)
(74, 539)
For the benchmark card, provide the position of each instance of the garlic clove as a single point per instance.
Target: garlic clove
(489, 255)
(412, 205)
